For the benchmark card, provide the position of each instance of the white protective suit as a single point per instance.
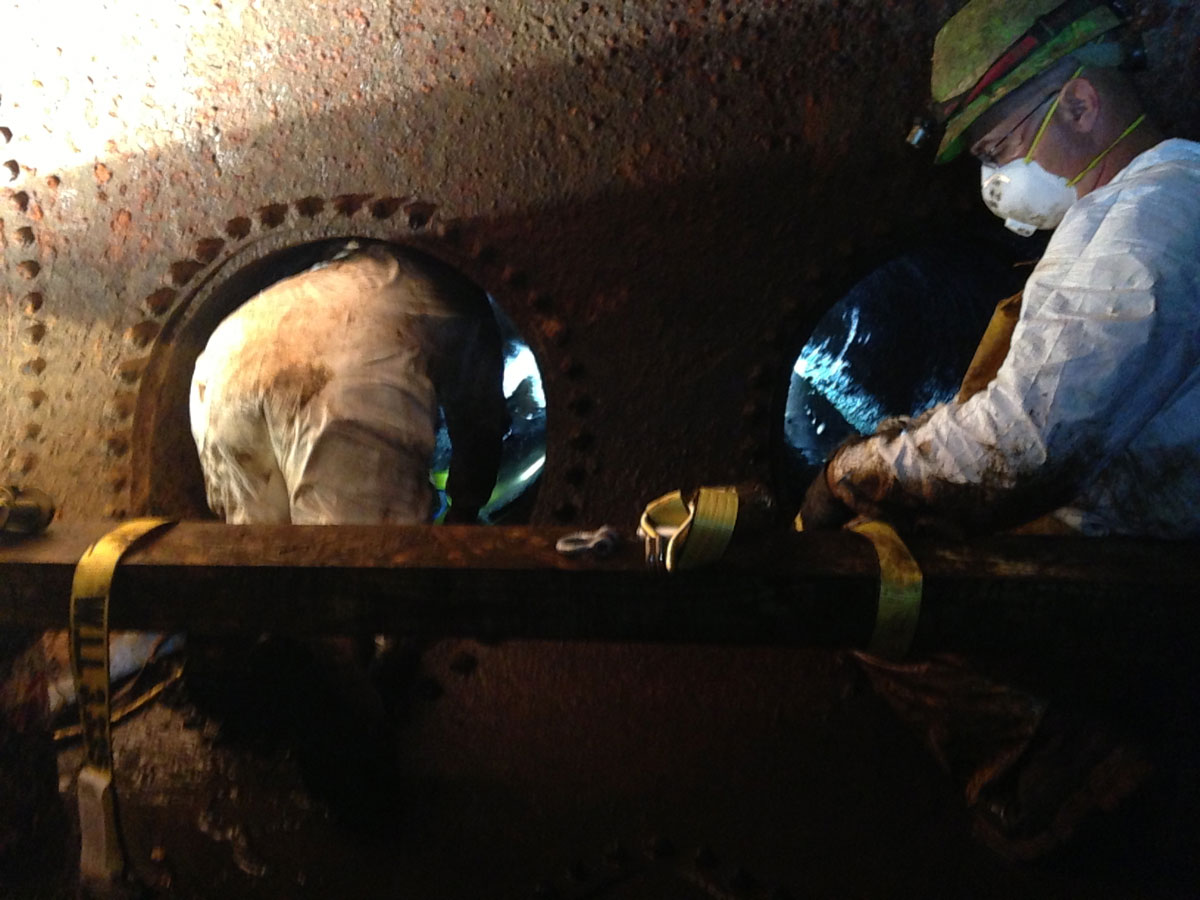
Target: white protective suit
(316, 401)
(1095, 411)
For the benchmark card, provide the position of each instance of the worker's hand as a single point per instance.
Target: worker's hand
(821, 508)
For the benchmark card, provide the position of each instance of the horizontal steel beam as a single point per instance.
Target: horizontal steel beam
(821, 589)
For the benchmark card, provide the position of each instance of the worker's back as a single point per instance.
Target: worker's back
(317, 400)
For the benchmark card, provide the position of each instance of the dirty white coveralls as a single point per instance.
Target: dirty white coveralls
(1097, 404)
(316, 401)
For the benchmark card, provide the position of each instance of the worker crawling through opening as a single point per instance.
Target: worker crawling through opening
(1082, 406)
(317, 402)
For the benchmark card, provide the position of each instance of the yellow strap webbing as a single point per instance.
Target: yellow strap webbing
(681, 536)
(101, 857)
(899, 591)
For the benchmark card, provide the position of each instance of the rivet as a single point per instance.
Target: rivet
(14, 169)
(33, 302)
(160, 301)
(25, 236)
(32, 430)
(117, 480)
(35, 333)
(753, 411)
(122, 406)
(554, 330)
(349, 204)
(272, 215)
(581, 440)
(34, 366)
(35, 398)
(581, 405)
(5, 133)
(130, 370)
(385, 207)
(21, 201)
(208, 249)
(184, 271)
(237, 228)
(27, 463)
(117, 443)
(29, 269)
(514, 277)
(419, 215)
(53, 182)
(143, 333)
(309, 206)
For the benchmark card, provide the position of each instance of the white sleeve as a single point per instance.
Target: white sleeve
(1091, 360)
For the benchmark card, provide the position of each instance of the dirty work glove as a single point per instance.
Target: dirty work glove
(821, 508)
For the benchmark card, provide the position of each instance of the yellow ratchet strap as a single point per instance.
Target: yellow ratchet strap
(899, 590)
(101, 857)
(681, 535)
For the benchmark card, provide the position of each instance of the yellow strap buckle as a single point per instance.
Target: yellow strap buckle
(680, 535)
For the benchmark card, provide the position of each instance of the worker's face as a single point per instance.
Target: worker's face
(1021, 177)
(1014, 131)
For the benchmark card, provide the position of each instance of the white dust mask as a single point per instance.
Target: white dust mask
(1025, 195)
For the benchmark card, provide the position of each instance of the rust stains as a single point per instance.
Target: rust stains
(299, 383)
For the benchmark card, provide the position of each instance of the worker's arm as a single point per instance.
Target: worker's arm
(1093, 358)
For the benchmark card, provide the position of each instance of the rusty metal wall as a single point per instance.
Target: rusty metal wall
(663, 195)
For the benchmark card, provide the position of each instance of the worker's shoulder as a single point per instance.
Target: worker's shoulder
(404, 279)
(1166, 175)
(1150, 209)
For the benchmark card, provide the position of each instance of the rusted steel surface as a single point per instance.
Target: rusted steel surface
(664, 196)
(509, 582)
(641, 186)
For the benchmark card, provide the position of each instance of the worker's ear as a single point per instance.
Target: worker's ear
(1080, 105)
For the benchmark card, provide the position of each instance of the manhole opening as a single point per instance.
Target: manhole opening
(897, 343)
(523, 451)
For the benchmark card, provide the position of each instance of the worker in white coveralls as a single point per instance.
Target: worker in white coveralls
(1083, 410)
(316, 402)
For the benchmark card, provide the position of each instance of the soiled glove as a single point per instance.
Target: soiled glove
(821, 508)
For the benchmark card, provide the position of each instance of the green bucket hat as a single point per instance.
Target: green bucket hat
(990, 48)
